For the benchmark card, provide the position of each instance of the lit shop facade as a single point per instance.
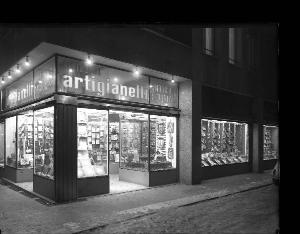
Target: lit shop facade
(68, 127)
(71, 129)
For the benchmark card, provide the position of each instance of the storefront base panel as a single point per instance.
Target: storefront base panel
(225, 170)
(92, 186)
(1, 172)
(18, 175)
(136, 177)
(113, 168)
(163, 177)
(269, 164)
(44, 187)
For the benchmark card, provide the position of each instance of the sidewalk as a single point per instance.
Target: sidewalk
(23, 214)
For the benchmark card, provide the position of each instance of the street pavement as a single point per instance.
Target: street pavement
(24, 214)
(254, 211)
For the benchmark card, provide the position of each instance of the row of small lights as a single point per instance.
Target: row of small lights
(88, 61)
(17, 70)
(136, 71)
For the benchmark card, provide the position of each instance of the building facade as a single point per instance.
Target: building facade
(157, 105)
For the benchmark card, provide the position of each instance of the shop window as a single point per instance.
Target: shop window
(25, 140)
(44, 142)
(223, 142)
(162, 142)
(1, 144)
(10, 141)
(92, 129)
(134, 137)
(208, 41)
(271, 144)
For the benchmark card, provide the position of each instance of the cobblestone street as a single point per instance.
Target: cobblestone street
(254, 211)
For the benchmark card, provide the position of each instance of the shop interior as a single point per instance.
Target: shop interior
(107, 141)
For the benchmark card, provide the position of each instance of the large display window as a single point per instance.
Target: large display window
(271, 144)
(25, 140)
(92, 130)
(44, 142)
(1, 144)
(133, 138)
(10, 141)
(223, 142)
(162, 142)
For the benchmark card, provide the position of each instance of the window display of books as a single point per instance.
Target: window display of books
(131, 145)
(44, 142)
(162, 143)
(114, 141)
(25, 141)
(270, 142)
(223, 142)
(92, 142)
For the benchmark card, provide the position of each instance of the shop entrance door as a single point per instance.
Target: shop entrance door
(128, 149)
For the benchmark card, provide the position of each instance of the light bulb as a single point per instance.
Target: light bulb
(18, 69)
(89, 60)
(9, 75)
(2, 80)
(173, 81)
(136, 72)
(27, 63)
(70, 70)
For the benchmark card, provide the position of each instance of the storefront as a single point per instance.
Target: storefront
(70, 128)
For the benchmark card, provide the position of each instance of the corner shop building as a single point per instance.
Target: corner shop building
(69, 127)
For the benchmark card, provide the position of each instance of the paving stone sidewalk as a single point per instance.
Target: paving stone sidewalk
(22, 214)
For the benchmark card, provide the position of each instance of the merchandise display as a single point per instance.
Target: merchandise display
(44, 142)
(114, 138)
(271, 142)
(162, 142)
(1, 144)
(25, 140)
(223, 142)
(133, 140)
(10, 141)
(92, 142)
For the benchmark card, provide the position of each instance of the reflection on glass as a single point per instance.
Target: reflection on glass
(134, 139)
(43, 146)
(162, 142)
(92, 129)
(10, 141)
(25, 140)
(44, 79)
(223, 142)
(1, 144)
(271, 145)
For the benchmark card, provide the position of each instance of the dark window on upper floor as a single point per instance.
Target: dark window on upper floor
(209, 41)
(235, 45)
(250, 51)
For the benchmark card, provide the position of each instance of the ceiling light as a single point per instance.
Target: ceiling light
(70, 70)
(136, 72)
(89, 60)
(9, 74)
(2, 80)
(173, 81)
(18, 69)
(27, 63)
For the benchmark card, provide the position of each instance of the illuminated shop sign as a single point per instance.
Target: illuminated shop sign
(32, 86)
(101, 81)
(19, 92)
